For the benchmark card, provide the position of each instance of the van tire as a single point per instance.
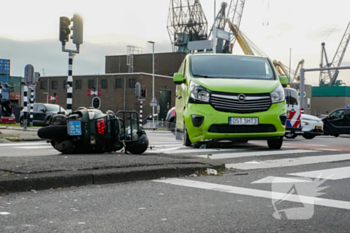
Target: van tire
(308, 136)
(186, 139)
(275, 143)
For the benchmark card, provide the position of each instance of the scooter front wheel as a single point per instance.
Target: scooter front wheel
(139, 146)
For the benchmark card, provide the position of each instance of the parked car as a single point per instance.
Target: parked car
(311, 126)
(42, 113)
(6, 114)
(171, 119)
(337, 122)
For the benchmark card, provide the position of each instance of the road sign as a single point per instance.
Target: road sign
(154, 102)
(29, 74)
(223, 34)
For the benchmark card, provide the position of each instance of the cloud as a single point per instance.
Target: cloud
(47, 54)
(322, 33)
(284, 27)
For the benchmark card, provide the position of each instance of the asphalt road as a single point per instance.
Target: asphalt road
(154, 206)
(261, 191)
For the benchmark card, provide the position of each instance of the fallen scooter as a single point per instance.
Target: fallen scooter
(91, 131)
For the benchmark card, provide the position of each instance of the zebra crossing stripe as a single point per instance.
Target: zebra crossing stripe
(23, 144)
(255, 153)
(289, 162)
(256, 193)
(33, 147)
(329, 174)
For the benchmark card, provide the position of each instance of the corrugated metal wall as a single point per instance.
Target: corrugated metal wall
(324, 91)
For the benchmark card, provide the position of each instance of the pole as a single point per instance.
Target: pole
(25, 107)
(124, 92)
(290, 62)
(70, 83)
(153, 88)
(302, 82)
(141, 113)
(31, 106)
(48, 91)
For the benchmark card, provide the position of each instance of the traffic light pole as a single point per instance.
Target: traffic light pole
(25, 107)
(31, 106)
(70, 76)
(70, 83)
(141, 108)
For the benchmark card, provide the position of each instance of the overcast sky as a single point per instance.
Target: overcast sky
(29, 31)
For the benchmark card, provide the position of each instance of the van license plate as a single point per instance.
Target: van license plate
(243, 121)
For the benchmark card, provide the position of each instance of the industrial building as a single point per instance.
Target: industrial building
(117, 85)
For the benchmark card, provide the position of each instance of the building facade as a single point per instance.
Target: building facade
(117, 91)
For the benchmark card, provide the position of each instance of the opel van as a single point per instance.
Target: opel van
(229, 97)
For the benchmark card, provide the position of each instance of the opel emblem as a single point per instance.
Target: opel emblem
(241, 97)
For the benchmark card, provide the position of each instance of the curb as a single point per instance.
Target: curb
(54, 180)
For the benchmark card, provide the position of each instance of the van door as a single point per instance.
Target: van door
(180, 101)
(347, 121)
(337, 121)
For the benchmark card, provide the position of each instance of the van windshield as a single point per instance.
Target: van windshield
(231, 67)
(291, 97)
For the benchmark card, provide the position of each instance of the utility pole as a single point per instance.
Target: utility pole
(154, 101)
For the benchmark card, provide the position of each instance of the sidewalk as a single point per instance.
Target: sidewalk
(16, 134)
(19, 174)
(27, 173)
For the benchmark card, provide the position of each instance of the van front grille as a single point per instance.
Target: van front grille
(240, 103)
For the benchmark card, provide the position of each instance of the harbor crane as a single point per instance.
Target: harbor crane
(329, 78)
(186, 22)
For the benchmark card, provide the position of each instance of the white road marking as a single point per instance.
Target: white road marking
(157, 150)
(270, 179)
(23, 143)
(328, 149)
(256, 153)
(33, 147)
(329, 174)
(202, 151)
(290, 162)
(257, 193)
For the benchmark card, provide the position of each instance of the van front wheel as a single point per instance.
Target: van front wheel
(275, 143)
(186, 139)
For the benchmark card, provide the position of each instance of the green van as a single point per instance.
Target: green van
(229, 97)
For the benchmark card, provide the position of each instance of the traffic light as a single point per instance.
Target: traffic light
(143, 93)
(64, 29)
(137, 90)
(77, 29)
(96, 103)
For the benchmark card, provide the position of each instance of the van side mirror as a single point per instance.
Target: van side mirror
(178, 78)
(283, 80)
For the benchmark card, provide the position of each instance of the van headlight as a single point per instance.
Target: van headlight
(199, 93)
(277, 95)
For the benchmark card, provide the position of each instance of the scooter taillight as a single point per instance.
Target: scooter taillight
(101, 126)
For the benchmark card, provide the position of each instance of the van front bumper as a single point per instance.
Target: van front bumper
(204, 123)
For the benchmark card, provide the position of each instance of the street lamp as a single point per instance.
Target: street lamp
(153, 102)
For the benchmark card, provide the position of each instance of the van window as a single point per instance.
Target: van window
(291, 97)
(231, 67)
